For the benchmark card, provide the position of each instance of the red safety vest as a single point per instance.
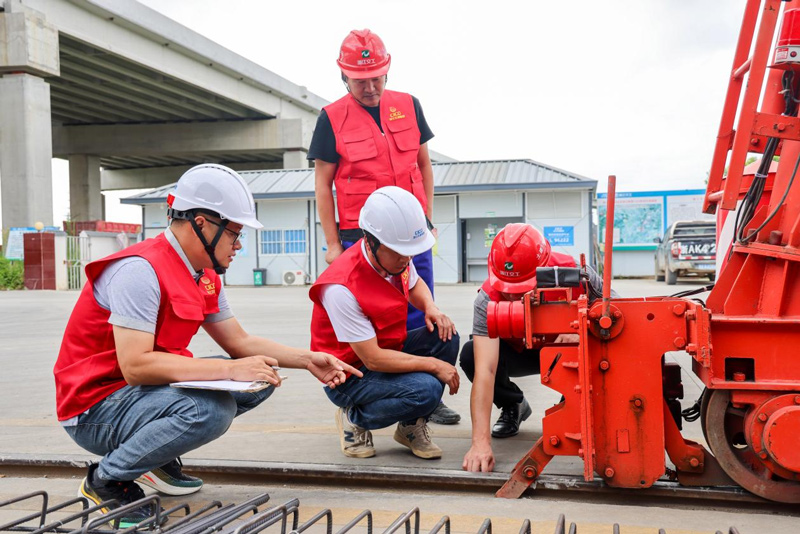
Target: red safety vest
(556, 260)
(385, 305)
(87, 370)
(370, 159)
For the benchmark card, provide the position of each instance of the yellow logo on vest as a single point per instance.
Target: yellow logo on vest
(394, 114)
(209, 285)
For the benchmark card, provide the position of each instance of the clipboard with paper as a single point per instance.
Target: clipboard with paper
(225, 385)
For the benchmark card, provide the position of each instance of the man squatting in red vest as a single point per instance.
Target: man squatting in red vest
(517, 250)
(127, 340)
(360, 309)
(370, 138)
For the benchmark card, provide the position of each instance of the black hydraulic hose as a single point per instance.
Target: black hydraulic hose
(747, 210)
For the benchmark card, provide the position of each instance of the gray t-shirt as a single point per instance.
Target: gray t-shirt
(129, 289)
(479, 326)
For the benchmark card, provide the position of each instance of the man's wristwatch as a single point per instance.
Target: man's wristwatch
(430, 224)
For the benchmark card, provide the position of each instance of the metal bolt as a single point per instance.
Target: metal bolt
(780, 126)
(694, 462)
(797, 399)
(617, 314)
(638, 403)
(574, 325)
(604, 365)
(605, 322)
(529, 472)
(762, 455)
(678, 309)
(762, 417)
(775, 237)
(739, 377)
(754, 141)
(609, 472)
(679, 342)
(554, 441)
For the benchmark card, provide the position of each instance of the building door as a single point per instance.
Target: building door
(478, 237)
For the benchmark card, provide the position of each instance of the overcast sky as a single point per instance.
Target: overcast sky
(632, 88)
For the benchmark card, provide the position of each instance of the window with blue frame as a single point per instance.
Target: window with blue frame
(283, 241)
(294, 241)
(271, 241)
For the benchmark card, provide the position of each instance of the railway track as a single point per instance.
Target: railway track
(393, 478)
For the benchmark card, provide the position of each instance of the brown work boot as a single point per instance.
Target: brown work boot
(356, 442)
(417, 437)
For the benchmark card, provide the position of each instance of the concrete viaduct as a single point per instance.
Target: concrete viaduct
(114, 85)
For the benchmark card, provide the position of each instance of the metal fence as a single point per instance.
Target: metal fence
(77, 254)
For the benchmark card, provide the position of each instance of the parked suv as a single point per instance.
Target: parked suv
(689, 248)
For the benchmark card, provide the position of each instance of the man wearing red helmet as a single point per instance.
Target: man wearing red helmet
(517, 250)
(368, 139)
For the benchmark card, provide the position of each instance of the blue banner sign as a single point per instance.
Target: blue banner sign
(560, 235)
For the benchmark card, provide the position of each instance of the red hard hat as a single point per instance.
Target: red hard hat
(517, 250)
(363, 55)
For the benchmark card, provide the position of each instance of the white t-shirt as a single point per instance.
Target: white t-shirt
(346, 315)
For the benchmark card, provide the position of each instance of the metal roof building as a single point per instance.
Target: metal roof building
(473, 200)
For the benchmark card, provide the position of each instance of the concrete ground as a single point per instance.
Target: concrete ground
(296, 425)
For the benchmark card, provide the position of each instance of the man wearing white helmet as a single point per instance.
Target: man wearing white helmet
(360, 309)
(127, 340)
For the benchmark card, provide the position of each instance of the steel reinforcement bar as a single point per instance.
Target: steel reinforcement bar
(76, 516)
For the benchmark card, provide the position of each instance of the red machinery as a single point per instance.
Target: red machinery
(619, 396)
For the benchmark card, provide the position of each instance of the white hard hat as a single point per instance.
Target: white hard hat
(395, 217)
(219, 189)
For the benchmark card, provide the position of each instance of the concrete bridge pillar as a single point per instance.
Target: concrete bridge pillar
(295, 159)
(28, 52)
(85, 199)
(26, 150)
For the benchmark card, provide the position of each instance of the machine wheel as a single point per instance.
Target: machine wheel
(659, 274)
(723, 426)
(672, 277)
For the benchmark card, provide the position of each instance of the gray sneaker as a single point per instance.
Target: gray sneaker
(443, 415)
(417, 437)
(356, 442)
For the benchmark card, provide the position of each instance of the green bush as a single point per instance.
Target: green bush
(12, 274)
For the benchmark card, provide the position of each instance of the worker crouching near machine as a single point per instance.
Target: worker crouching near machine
(517, 250)
(127, 340)
(360, 311)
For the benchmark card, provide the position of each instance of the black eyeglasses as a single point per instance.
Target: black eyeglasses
(236, 235)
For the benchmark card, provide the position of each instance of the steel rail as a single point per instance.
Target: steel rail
(394, 477)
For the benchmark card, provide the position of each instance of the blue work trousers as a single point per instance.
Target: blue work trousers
(424, 265)
(138, 429)
(381, 399)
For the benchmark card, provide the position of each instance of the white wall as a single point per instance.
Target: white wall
(633, 263)
(562, 208)
(62, 283)
(283, 215)
(488, 205)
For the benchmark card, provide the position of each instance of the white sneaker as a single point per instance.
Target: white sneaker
(356, 442)
(417, 437)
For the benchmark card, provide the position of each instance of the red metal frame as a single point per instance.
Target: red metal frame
(745, 341)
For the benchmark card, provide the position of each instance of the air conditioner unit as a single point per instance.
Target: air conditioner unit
(294, 278)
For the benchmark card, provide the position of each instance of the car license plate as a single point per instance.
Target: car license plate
(707, 266)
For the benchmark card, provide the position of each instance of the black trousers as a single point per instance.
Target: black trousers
(510, 364)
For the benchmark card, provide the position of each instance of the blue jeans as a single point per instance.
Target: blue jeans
(423, 263)
(381, 399)
(138, 429)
